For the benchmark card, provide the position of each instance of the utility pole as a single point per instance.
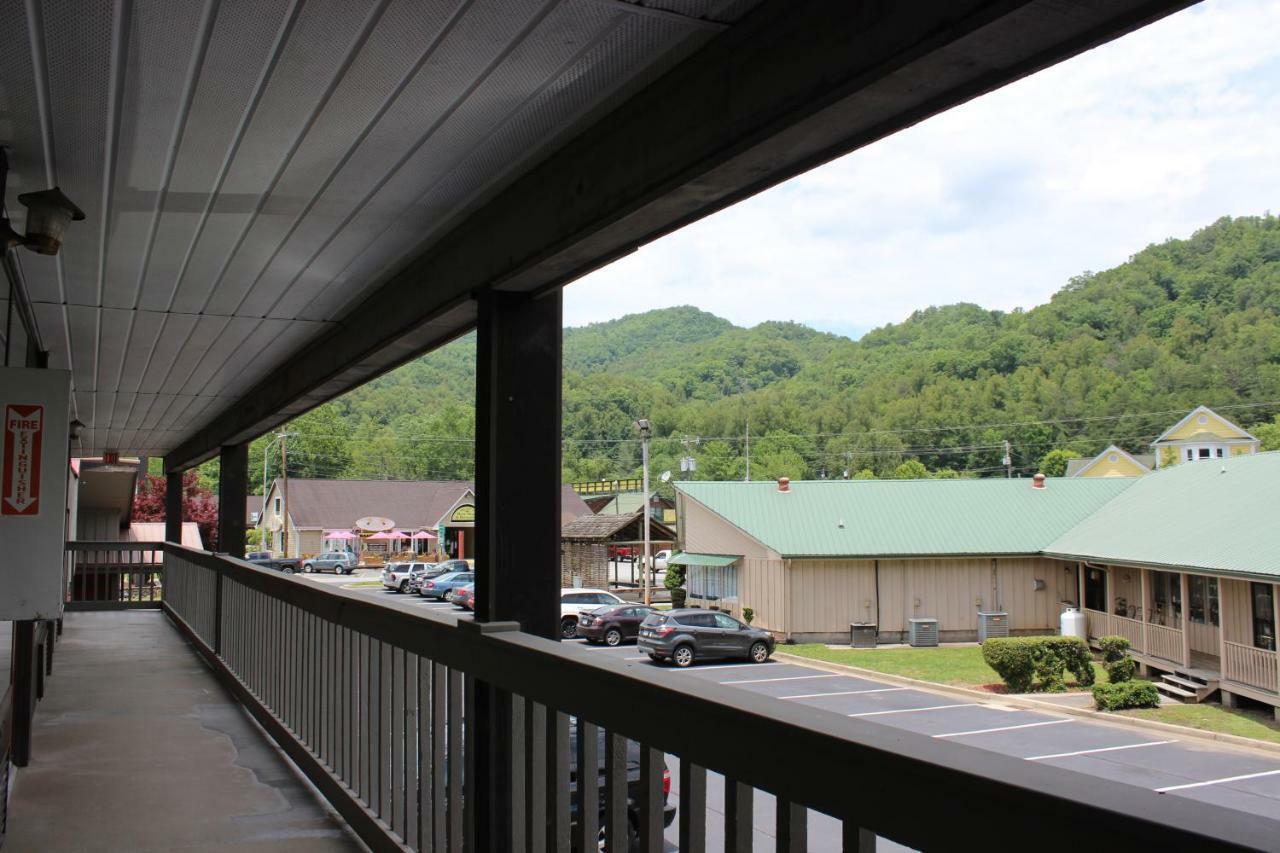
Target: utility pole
(284, 476)
(748, 452)
(1008, 461)
(643, 426)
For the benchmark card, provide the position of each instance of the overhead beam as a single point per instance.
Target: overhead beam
(791, 86)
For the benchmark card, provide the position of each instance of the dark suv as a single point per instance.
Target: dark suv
(684, 636)
(634, 790)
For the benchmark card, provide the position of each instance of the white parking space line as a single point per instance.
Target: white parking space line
(700, 668)
(1224, 780)
(914, 710)
(1099, 749)
(783, 678)
(642, 657)
(845, 693)
(1003, 728)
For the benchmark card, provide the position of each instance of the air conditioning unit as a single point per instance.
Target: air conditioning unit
(924, 632)
(862, 635)
(992, 624)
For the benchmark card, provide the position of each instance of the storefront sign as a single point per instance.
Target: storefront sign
(35, 407)
(374, 524)
(466, 512)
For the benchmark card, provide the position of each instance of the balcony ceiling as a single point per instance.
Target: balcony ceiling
(264, 181)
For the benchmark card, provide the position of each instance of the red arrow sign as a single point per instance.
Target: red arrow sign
(23, 434)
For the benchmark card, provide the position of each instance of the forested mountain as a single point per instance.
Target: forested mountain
(1114, 356)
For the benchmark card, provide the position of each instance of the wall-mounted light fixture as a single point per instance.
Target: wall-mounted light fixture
(49, 212)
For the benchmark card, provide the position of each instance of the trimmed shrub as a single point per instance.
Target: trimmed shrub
(1119, 671)
(1113, 648)
(1027, 663)
(1126, 694)
(748, 614)
(678, 596)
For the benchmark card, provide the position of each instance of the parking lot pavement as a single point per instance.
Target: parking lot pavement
(1233, 777)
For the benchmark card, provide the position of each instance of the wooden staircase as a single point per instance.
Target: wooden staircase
(1188, 685)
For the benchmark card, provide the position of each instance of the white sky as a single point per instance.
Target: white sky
(998, 201)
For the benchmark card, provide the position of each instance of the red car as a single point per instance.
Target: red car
(464, 597)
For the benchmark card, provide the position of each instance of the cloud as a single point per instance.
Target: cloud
(998, 201)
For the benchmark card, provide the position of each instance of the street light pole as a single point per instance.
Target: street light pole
(643, 426)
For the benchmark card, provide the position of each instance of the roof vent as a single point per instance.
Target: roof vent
(1037, 482)
(784, 484)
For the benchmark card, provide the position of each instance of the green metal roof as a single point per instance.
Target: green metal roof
(687, 559)
(882, 518)
(1219, 515)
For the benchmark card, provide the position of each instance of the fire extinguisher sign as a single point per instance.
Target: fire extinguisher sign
(23, 437)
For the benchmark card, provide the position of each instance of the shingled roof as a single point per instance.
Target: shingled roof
(411, 504)
(615, 527)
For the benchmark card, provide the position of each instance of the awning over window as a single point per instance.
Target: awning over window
(688, 559)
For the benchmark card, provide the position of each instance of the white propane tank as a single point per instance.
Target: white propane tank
(1073, 623)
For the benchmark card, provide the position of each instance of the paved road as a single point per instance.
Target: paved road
(1235, 778)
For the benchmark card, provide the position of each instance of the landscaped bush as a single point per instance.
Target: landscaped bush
(1026, 663)
(1126, 694)
(1113, 648)
(1119, 671)
(1115, 655)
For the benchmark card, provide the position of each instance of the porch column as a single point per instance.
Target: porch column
(1111, 593)
(517, 534)
(1275, 621)
(233, 486)
(1186, 618)
(1080, 577)
(1146, 608)
(173, 506)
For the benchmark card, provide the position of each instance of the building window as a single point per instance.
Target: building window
(1095, 589)
(713, 583)
(1166, 596)
(1191, 455)
(277, 506)
(1220, 454)
(1264, 616)
(1203, 603)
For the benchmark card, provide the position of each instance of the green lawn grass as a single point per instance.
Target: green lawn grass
(1259, 725)
(959, 665)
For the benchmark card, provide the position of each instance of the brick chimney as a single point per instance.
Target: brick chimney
(1037, 482)
(784, 484)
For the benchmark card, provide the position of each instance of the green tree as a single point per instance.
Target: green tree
(912, 469)
(1054, 463)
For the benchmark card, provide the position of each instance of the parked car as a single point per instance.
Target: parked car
(399, 576)
(442, 587)
(464, 597)
(431, 572)
(341, 562)
(660, 560)
(691, 634)
(573, 601)
(288, 565)
(612, 624)
(634, 790)
(457, 565)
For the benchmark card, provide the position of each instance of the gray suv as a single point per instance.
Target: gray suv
(684, 636)
(341, 562)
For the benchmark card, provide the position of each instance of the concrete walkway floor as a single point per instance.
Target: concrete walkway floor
(137, 748)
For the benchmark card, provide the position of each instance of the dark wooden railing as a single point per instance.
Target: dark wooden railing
(115, 575)
(428, 735)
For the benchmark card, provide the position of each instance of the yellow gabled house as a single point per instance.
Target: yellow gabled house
(1203, 434)
(1112, 462)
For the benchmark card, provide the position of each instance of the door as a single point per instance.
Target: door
(733, 639)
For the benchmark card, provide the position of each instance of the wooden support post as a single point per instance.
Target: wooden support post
(1275, 623)
(1145, 610)
(1186, 618)
(173, 507)
(23, 680)
(1111, 592)
(517, 533)
(1222, 628)
(1080, 579)
(233, 486)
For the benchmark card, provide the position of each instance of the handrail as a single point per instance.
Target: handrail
(114, 575)
(870, 776)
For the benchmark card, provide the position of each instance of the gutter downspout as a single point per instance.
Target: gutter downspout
(877, 573)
